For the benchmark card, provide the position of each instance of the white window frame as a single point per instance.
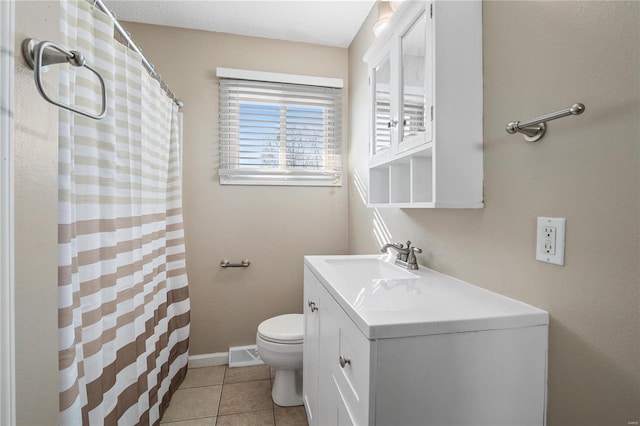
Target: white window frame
(282, 176)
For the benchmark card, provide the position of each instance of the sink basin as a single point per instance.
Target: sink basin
(388, 301)
(359, 269)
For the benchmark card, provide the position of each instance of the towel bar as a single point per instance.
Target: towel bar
(533, 130)
(243, 264)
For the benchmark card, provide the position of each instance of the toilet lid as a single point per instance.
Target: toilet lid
(288, 329)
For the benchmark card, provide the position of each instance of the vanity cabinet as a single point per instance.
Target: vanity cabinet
(425, 80)
(368, 361)
(335, 391)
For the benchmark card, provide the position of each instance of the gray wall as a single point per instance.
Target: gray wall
(540, 57)
(272, 226)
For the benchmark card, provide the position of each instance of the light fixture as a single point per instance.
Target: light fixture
(384, 14)
(395, 4)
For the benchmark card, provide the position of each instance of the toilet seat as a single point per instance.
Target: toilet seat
(285, 329)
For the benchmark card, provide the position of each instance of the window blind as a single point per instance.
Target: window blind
(279, 133)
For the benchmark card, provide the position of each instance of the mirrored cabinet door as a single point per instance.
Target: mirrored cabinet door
(383, 122)
(416, 86)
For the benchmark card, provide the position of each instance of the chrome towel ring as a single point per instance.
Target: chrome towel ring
(42, 53)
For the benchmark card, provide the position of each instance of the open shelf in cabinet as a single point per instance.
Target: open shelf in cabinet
(407, 180)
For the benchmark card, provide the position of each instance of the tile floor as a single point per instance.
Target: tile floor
(223, 396)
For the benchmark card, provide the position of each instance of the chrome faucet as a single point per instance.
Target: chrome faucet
(406, 255)
(402, 251)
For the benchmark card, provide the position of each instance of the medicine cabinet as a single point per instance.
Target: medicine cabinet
(425, 80)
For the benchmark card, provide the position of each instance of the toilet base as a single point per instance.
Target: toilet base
(287, 388)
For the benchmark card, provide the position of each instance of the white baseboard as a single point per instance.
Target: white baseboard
(208, 360)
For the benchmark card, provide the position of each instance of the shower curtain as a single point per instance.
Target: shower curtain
(123, 297)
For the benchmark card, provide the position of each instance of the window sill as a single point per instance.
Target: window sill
(293, 181)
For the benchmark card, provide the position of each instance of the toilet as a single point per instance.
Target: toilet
(279, 343)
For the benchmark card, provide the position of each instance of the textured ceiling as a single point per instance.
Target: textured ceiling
(329, 22)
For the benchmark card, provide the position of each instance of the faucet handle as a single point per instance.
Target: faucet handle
(411, 257)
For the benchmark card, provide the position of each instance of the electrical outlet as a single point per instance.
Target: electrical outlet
(550, 240)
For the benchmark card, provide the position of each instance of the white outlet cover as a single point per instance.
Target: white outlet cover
(559, 223)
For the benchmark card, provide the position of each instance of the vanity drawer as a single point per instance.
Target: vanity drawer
(352, 368)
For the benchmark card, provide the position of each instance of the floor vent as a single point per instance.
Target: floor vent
(244, 356)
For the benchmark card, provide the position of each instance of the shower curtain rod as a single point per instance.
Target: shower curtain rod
(148, 65)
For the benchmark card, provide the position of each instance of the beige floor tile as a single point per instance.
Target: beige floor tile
(290, 416)
(205, 376)
(246, 374)
(207, 421)
(254, 418)
(193, 403)
(246, 396)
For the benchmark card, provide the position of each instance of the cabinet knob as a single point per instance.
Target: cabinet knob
(312, 306)
(392, 124)
(344, 361)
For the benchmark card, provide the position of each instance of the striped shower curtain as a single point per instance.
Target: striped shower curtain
(123, 297)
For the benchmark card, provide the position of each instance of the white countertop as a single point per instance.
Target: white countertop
(414, 303)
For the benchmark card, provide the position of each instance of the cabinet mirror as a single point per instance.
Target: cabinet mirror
(382, 113)
(414, 81)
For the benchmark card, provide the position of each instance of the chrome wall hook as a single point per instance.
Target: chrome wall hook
(534, 130)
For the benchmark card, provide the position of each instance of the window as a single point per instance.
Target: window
(279, 133)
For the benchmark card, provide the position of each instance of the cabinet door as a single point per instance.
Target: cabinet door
(415, 92)
(327, 357)
(383, 121)
(343, 416)
(310, 349)
(353, 377)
